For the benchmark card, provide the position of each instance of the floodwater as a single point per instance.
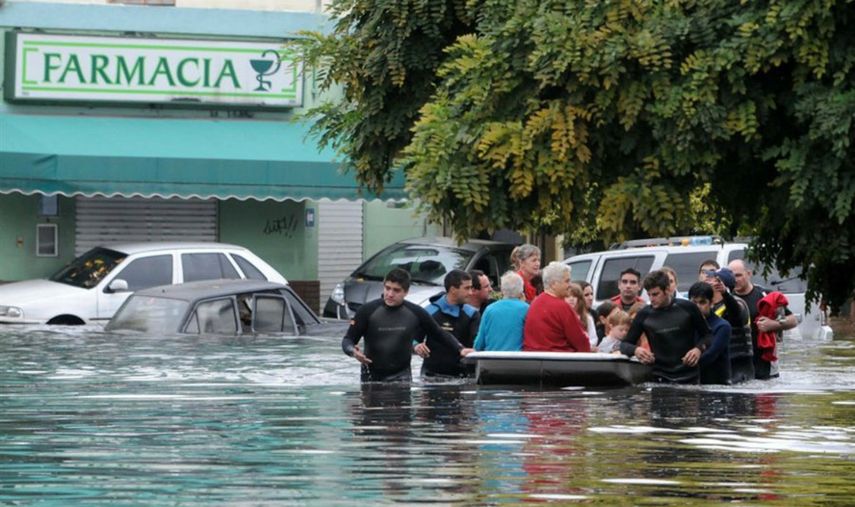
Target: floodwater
(90, 418)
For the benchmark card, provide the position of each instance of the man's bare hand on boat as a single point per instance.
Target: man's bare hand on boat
(692, 356)
(644, 355)
(423, 351)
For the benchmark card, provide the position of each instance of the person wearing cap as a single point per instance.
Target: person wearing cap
(724, 304)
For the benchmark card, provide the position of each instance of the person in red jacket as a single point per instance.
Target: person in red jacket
(551, 325)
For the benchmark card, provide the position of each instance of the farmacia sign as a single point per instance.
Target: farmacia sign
(61, 68)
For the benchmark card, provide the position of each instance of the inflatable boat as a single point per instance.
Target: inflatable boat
(558, 368)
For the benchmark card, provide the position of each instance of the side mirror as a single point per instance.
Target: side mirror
(118, 285)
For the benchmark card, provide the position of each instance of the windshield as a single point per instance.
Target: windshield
(90, 268)
(149, 315)
(425, 263)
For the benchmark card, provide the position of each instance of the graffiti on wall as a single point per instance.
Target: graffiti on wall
(285, 226)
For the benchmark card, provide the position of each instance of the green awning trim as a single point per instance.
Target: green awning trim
(242, 159)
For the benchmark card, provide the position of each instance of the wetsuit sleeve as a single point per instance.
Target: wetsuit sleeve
(636, 329)
(733, 311)
(357, 329)
(432, 329)
(720, 342)
(474, 324)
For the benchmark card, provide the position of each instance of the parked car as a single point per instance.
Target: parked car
(685, 255)
(427, 260)
(221, 307)
(92, 287)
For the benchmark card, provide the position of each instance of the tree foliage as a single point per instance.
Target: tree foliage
(557, 115)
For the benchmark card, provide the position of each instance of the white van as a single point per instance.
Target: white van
(685, 255)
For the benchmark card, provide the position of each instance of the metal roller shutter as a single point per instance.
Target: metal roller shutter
(339, 243)
(136, 219)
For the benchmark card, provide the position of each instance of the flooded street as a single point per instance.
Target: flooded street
(97, 419)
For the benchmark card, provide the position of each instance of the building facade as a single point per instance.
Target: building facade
(147, 123)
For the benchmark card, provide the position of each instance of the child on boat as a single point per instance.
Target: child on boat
(617, 325)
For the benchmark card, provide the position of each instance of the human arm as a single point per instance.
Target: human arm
(357, 329)
(432, 330)
(629, 345)
(767, 325)
(733, 310)
(574, 333)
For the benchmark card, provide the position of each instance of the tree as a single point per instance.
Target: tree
(557, 115)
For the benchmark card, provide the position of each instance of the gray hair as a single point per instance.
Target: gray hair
(527, 250)
(512, 285)
(554, 272)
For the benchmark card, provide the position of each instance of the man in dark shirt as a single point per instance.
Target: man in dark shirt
(482, 291)
(744, 288)
(675, 329)
(715, 361)
(454, 316)
(390, 325)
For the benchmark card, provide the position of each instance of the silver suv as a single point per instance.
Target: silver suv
(427, 260)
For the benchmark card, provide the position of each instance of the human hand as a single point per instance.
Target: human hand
(766, 325)
(644, 355)
(692, 356)
(362, 358)
(465, 352)
(422, 350)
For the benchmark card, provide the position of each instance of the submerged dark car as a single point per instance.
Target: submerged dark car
(427, 260)
(221, 307)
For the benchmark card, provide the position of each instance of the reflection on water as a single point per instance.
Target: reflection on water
(92, 418)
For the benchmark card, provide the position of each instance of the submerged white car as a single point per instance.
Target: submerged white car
(93, 286)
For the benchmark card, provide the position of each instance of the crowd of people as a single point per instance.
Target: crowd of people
(691, 339)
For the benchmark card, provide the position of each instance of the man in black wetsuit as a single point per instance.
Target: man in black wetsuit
(390, 325)
(676, 330)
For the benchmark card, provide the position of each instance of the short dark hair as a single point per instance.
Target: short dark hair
(476, 275)
(708, 262)
(605, 309)
(701, 290)
(455, 278)
(631, 271)
(399, 276)
(656, 279)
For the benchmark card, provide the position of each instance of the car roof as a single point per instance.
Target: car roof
(470, 244)
(653, 249)
(153, 246)
(204, 289)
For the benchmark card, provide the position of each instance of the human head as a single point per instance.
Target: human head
(629, 284)
(528, 257)
(556, 279)
(604, 310)
(656, 284)
(707, 265)
(672, 277)
(458, 286)
(741, 276)
(725, 275)
(617, 324)
(396, 284)
(701, 293)
(576, 298)
(481, 288)
(512, 285)
(588, 292)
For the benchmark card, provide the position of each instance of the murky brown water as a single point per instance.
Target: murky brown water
(93, 419)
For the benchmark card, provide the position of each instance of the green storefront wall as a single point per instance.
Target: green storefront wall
(19, 215)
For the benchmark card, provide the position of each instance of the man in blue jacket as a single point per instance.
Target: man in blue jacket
(454, 316)
(715, 360)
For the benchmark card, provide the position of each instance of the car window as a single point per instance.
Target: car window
(425, 263)
(490, 266)
(686, 264)
(250, 271)
(90, 268)
(217, 316)
(150, 315)
(207, 266)
(579, 270)
(271, 315)
(610, 274)
(301, 313)
(773, 280)
(147, 272)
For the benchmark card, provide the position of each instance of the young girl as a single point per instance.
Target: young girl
(617, 325)
(576, 300)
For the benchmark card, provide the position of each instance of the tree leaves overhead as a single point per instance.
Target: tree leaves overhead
(609, 118)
